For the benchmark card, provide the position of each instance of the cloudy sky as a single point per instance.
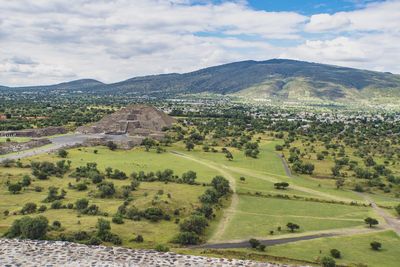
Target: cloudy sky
(51, 41)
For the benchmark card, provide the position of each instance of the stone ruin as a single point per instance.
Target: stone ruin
(11, 147)
(14, 252)
(136, 122)
(34, 133)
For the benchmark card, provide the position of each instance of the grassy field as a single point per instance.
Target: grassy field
(257, 216)
(181, 196)
(14, 139)
(355, 249)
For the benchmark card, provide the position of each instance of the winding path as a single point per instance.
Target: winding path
(231, 210)
(392, 222)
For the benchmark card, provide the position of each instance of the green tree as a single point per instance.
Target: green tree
(328, 262)
(189, 145)
(194, 223)
(371, 221)
(189, 177)
(62, 153)
(81, 204)
(14, 188)
(292, 226)
(375, 245)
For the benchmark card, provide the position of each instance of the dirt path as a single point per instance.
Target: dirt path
(392, 222)
(231, 210)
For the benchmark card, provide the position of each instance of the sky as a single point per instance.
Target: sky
(53, 41)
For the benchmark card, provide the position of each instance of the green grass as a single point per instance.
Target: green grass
(14, 139)
(355, 249)
(175, 196)
(257, 216)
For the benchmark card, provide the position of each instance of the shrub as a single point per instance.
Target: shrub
(138, 239)
(81, 204)
(26, 181)
(328, 262)
(161, 248)
(81, 187)
(29, 208)
(261, 247)
(62, 153)
(29, 228)
(81, 235)
(194, 223)
(42, 208)
(254, 243)
(187, 238)
(94, 241)
(14, 188)
(375, 245)
(56, 224)
(56, 205)
(153, 214)
(117, 220)
(336, 253)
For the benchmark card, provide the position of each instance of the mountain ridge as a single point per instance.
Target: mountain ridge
(274, 78)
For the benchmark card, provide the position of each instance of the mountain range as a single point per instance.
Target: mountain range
(280, 79)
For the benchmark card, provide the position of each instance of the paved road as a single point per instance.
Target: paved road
(269, 242)
(59, 142)
(285, 166)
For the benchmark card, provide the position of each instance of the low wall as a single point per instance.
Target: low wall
(11, 147)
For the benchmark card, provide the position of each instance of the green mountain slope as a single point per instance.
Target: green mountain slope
(277, 79)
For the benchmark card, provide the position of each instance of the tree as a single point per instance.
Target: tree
(14, 188)
(106, 189)
(228, 155)
(339, 183)
(26, 181)
(81, 204)
(375, 245)
(187, 238)
(29, 228)
(221, 185)
(189, 177)
(292, 226)
(103, 226)
(328, 262)
(148, 143)
(62, 153)
(189, 145)
(336, 253)
(281, 185)
(29, 208)
(194, 223)
(371, 221)
(254, 243)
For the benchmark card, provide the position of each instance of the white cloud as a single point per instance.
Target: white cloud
(111, 40)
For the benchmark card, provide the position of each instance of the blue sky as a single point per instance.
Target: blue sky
(309, 7)
(51, 41)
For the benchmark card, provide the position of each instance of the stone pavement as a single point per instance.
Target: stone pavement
(15, 252)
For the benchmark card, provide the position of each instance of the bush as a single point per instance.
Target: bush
(81, 235)
(254, 243)
(62, 153)
(26, 181)
(187, 238)
(94, 241)
(261, 247)
(81, 187)
(375, 245)
(336, 253)
(117, 220)
(153, 214)
(29, 228)
(161, 248)
(14, 188)
(81, 204)
(328, 262)
(194, 223)
(42, 208)
(56, 205)
(29, 208)
(138, 239)
(56, 224)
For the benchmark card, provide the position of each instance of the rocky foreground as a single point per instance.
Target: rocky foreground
(15, 252)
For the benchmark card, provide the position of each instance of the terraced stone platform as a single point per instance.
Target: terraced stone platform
(15, 252)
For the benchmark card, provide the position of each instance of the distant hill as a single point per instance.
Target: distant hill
(277, 78)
